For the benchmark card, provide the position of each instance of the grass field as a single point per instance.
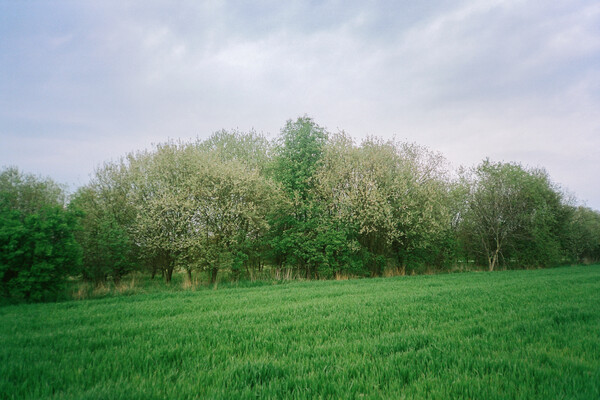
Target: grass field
(510, 335)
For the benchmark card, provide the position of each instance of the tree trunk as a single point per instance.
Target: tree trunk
(168, 274)
(493, 260)
(189, 275)
(169, 262)
(213, 274)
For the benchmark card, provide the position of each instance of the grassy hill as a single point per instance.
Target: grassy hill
(510, 335)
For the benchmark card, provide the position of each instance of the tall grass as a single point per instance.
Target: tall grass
(502, 335)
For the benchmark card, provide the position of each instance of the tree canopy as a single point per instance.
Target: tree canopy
(314, 204)
(308, 204)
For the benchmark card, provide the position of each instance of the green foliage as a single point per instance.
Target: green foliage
(37, 247)
(316, 205)
(308, 204)
(391, 198)
(250, 149)
(299, 151)
(297, 238)
(108, 249)
(502, 335)
(512, 216)
(28, 193)
(107, 219)
(198, 209)
(583, 235)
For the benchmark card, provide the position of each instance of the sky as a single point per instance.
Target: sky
(85, 82)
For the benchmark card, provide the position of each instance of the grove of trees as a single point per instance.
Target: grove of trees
(308, 204)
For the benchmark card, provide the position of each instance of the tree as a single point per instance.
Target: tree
(295, 237)
(37, 247)
(164, 206)
(298, 153)
(511, 215)
(390, 197)
(107, 222)
(197, 210)
(230, 207)
(254, 152)
(353, 183)
(108, 249)
(584, 235)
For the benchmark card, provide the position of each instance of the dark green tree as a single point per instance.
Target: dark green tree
(37, 246)
(296, 238)
(108, 249)
(583, 239)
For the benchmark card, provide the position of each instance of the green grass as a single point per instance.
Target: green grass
(510, 335)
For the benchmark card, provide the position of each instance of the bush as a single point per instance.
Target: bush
(37, 246)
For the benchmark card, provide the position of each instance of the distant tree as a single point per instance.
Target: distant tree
(295, 236)
(511, 215)
(108, 248)
(584, 239)
(195, 209)
(164, 206)
(389, 196)
(107, 223)
(37, 247)
(422, 208)
(230, 204)
(254, 152)
(353, 182)
(298, 153)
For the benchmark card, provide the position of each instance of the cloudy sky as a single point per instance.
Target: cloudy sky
(85, 82)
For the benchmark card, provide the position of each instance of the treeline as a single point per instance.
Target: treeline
(309, 204)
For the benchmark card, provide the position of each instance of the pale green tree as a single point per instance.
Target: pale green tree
(230, 207)
(164, 205)
(390, 195)
(422, 207)
(197, 210)
(249, 148)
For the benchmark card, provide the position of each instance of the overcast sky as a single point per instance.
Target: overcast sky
(85, 82)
